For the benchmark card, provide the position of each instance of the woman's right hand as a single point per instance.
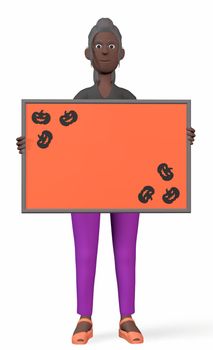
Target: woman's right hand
(21, 144)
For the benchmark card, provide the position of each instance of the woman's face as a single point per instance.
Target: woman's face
(105, 48)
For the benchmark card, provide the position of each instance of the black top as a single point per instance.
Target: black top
(94, 93)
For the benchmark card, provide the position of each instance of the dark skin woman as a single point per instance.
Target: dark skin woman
(105, 61)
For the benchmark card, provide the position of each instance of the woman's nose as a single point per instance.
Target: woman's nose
(105, 49)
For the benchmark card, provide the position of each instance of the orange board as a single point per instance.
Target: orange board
(106, 156)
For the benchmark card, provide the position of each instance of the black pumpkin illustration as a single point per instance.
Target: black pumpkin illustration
(165, 172)
(146, 194)
(68, 118)
(41, 117)
(44, 139)
(171, 195)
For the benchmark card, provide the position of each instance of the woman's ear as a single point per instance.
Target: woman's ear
(122, 54)
(87, 53)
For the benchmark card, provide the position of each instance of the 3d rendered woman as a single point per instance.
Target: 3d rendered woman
(105, 51)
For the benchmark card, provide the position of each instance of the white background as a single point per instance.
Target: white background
(168, 56)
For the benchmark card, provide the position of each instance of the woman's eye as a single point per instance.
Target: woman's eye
(111, 46)
(98, 46)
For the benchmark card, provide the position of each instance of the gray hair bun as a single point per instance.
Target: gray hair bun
(105, 22)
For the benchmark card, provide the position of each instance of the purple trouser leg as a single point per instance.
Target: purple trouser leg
(124, 235)
(86, 234)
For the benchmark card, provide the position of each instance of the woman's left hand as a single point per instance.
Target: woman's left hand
(190, 135)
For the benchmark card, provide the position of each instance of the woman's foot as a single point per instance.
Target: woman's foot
(129, 331)
(83, 331)
(83, 326)
(128, 325)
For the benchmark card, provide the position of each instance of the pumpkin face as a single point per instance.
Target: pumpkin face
(40, 117)
(146, 194)
(68, 118)
(165, 172)
(171, 195)
(44, 139)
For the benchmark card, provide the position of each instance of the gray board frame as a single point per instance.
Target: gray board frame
(107, 101)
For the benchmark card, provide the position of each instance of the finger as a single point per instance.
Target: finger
(191, 129)
(21, 152)
(21, 147)
(20, 142)
(20, 138)
(190, 132)
(190, 135)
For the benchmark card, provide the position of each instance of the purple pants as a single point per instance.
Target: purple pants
(124, 235)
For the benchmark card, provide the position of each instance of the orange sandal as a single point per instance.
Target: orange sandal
(131, 337)
(82, 337)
